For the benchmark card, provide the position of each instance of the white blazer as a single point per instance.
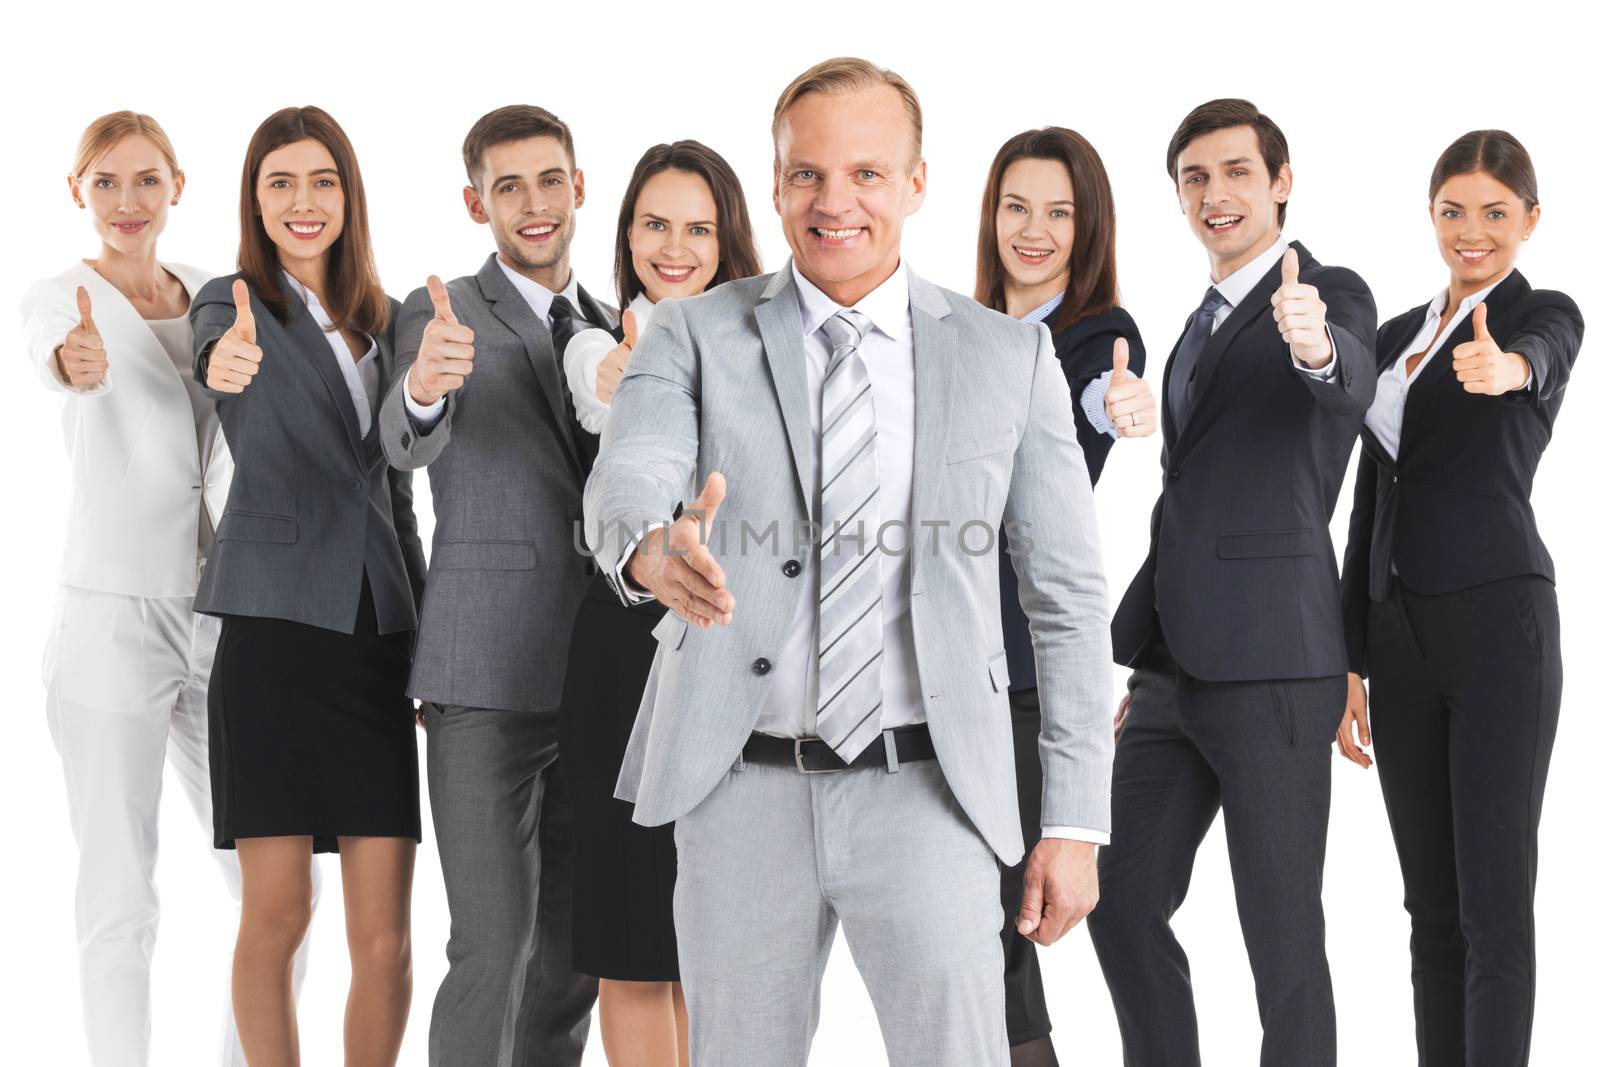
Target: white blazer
(137, 486)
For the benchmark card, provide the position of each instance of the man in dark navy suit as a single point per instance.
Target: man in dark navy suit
(1233, 623)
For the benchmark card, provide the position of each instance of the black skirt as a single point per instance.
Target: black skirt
(312, 734)
(623, 873)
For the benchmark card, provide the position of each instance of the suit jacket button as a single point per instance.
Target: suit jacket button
(1394, 480)
(762, 665)
(1172, 476)
(791, 568)
(354, 483)
(405, 439)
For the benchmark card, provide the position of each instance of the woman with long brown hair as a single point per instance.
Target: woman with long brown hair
(1450, 603)
(315, 574)
(1047, 253)
(682, 229)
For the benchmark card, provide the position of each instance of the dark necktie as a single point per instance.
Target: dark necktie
(1180, 387)
(565, 324)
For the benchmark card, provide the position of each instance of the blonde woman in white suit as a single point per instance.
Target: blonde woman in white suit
(128, 662)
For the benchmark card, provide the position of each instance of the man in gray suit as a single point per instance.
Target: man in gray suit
(506, 460)
(861, 436)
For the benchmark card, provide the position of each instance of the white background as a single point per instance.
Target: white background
(1367, 98)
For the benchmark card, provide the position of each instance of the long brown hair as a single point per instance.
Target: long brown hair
(1092, 265)
(355, 298)
(736, 245)
(1497, 154)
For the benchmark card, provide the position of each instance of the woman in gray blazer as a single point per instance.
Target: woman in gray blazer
(315, 574)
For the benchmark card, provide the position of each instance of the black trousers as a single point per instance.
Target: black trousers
(1259, 752)
(1466, 688)
(1027, 1017)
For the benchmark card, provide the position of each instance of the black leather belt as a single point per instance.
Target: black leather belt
(813, 756)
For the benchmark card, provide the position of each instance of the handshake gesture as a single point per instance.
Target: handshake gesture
(676, 565)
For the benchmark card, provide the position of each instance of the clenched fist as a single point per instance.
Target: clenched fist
(1481, 367)
(235, 359)
(81, 358)
(1302, 316)
(444, 359)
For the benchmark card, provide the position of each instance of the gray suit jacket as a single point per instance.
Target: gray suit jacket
(719, 383)
(506, 470)
(313, 505)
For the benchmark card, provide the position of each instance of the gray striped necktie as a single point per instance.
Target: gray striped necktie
(850, 610)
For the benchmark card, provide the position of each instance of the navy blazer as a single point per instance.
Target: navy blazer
(1084, 349)
(1452, 510)
(313, 506)
(1241, 579)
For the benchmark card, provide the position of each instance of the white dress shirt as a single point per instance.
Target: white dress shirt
(1236, 286)
(361, 376)
(1388, 410)
(426, 416)
(581, 364)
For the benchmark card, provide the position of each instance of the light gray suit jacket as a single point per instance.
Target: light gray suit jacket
(506, 471)
(718, 382)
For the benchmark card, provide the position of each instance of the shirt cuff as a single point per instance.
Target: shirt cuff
(1324, 373)
(1093, 402)
(629, 591)
(425, 416)
(1076, 833)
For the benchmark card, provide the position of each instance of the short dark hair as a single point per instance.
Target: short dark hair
(514, 122)
(736, 245)
(1224, 114)
(1497, 154)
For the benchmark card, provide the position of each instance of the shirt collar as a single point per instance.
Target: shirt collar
(1440, 302)
(1046, 309)
(888, 306)
(1236, 286)
(309, 299)
(538, 297)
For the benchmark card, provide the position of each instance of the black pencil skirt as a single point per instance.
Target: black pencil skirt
(312, 734)
(623, 873)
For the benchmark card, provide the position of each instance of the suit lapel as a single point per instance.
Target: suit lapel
(934, 352)
(778, 319)
(510, 308)
(305, 332)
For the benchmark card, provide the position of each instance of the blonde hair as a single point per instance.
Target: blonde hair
(108, 131)
(846, 74)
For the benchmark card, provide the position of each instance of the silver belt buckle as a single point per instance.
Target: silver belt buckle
(799, 761)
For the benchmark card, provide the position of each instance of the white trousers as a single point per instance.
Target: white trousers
(126, 682)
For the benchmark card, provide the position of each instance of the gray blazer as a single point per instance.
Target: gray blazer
(718, 382)
(313, 506)
(506, 470)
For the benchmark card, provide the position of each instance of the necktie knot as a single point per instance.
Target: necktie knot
(846, 328)
(1214, 300)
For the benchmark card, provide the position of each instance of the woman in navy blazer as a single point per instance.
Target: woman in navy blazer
(1047, 254)
(1450, 603)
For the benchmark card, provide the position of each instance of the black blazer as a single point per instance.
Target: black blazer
(1084, 349)
(1452, 510)
(313, 506)
(1241, 577)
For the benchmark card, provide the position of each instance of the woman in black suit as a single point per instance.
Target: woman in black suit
(315, 572)
(683, 228)
(1047, 253)
(1450, 603)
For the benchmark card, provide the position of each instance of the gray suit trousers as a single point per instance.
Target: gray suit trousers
(504, 832)
(770, 864)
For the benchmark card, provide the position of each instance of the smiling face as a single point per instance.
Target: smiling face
(673, 239)
(128, 191)
(844, 182)
(300, 197)
(1035, 224)
(1481, 225)
(1229, 198)
(528, 193)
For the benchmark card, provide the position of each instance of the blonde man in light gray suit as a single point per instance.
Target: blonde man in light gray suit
(861, 436)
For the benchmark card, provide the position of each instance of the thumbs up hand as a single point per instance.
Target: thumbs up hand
(81, 357)
(610, 370)
(1481, 367)
(1130, 405)
(1302, 316)
(235, 359)
(444, 359)
(676, 565)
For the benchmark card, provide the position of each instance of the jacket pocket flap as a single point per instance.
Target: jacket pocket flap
(483, 556)
(983, 446)
(258, 526)
(1266, 544)
(999, 673)
(670, 630)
